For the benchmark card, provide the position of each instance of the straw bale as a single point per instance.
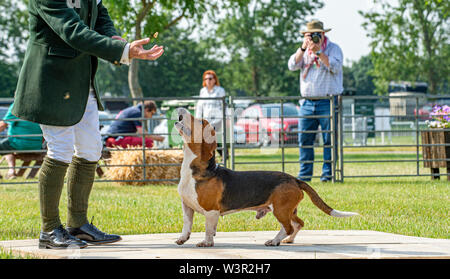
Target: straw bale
(130, 158)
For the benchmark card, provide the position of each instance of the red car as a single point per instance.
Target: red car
(262, 123)
(424, 112)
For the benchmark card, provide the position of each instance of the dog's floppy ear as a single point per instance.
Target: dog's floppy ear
(209, 143)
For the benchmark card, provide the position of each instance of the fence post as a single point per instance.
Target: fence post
(417, 134)
(333, 142)
(231, 101)
(224, 132)
(145, 129)
(340, 141)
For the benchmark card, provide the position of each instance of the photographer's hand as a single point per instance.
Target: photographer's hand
(301, 50)
(306, 42)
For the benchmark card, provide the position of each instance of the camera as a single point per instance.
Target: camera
(315, 37)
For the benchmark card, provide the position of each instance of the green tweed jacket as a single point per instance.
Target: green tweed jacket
(66, 37)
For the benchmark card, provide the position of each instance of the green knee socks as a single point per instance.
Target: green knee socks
(80, 179)
(51, 182)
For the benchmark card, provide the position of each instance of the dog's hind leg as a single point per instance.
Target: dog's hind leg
(286, 228)
(283, 216)
(297, 224)
(285, 201)
(212, 217)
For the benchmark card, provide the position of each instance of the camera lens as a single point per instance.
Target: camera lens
(315, 37)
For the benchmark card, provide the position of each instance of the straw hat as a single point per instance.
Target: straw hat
(314, 26)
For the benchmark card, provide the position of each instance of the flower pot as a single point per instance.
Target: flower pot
(439, 155)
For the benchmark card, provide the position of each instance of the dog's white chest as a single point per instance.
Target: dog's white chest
(186, 187)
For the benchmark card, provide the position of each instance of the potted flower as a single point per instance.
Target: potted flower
(439, 134)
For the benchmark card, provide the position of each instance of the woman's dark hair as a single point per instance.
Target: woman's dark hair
(150, 105)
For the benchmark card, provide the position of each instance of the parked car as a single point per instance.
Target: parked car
(262, 123)
(424, 112)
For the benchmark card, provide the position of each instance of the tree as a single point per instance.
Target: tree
(359, 76)
(13, 29)
(410, 42)
(143, 18)
(13, 36)
(8, 80)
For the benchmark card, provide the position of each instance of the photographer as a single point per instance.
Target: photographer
(320, 64)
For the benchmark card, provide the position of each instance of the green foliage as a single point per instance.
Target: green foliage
(13, 36)
(410, 42)
(8, 80)
(359, 77)
(179, 71)
(13, 28)
(138, 19)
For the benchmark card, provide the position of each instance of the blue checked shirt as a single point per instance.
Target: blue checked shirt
(320, 81)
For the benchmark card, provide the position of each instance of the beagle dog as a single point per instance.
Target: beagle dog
(214, 191)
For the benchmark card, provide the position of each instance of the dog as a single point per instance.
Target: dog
(214, 191)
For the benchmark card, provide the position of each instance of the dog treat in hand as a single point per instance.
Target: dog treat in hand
(155, 35)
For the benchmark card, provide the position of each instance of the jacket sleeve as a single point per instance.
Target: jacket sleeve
(104, 24)
(66, 23)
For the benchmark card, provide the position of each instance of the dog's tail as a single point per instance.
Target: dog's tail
(317, 201)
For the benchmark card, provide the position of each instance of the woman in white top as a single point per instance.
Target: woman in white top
(211, 110)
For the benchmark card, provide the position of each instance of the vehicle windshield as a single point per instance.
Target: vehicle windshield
(275, 111)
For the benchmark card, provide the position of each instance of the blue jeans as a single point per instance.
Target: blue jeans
(314, 108)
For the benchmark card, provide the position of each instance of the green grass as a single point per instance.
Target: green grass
(363, 167)
(414, 206)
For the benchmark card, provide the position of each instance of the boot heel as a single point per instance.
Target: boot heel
(42, 245)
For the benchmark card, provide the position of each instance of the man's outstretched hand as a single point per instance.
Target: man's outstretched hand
(137, 50)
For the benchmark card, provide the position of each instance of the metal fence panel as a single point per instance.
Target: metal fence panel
(393, 126)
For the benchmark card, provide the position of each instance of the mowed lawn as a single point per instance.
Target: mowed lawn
(415, 206)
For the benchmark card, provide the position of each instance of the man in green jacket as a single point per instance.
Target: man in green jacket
(57, 89)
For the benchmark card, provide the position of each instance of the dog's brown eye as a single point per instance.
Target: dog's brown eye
(180, 117)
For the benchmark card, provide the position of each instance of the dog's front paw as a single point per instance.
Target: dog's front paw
(205, 243)
(272, 242)
(181, 240)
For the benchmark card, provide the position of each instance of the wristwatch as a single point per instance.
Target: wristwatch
(303, 49)
(318, 52)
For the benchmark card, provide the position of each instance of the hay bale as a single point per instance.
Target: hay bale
(129, 171)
